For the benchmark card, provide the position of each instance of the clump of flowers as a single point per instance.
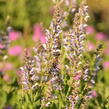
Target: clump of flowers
(4, 43)
(61, 73)
(4, 39)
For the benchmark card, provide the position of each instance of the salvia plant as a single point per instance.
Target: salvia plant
(3, 44)
(61, 73)
(4, 40)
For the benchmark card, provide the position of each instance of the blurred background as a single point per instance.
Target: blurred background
(30, 17)
(26, 13)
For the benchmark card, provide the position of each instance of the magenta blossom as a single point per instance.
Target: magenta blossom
(39, 34)
(91, 46)
(90, 29)
(77, 76)
(15, 51)
(18, 72)
(1, 46)
(8, 66)
(106, 65)
(94, 94)
(100, 36)
(14, 35)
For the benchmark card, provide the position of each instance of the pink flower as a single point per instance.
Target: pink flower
(77, 77)
(18, 72)
(67, 2)
(94, 94)
(42, 39)
(8, 66)
(100, 36)
(38, 34)
(106, 65)
(14, 35)
(1, 46)
(90, 29)
(15, 51)
(91, 46)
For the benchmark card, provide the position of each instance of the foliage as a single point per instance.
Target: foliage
(63, 67)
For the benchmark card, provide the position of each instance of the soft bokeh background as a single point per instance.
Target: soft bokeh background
(27, 17)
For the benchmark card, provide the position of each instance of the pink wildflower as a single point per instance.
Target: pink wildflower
(77, 77)
(15, 51)
(94, 94)
(91, 46)
(106, 65)
(8, 66)
(14, 35)
(18, 72)
(90, 29)
(42, 39)
(100, 36)
(67, 2)
(38, 34)
(1, 46)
